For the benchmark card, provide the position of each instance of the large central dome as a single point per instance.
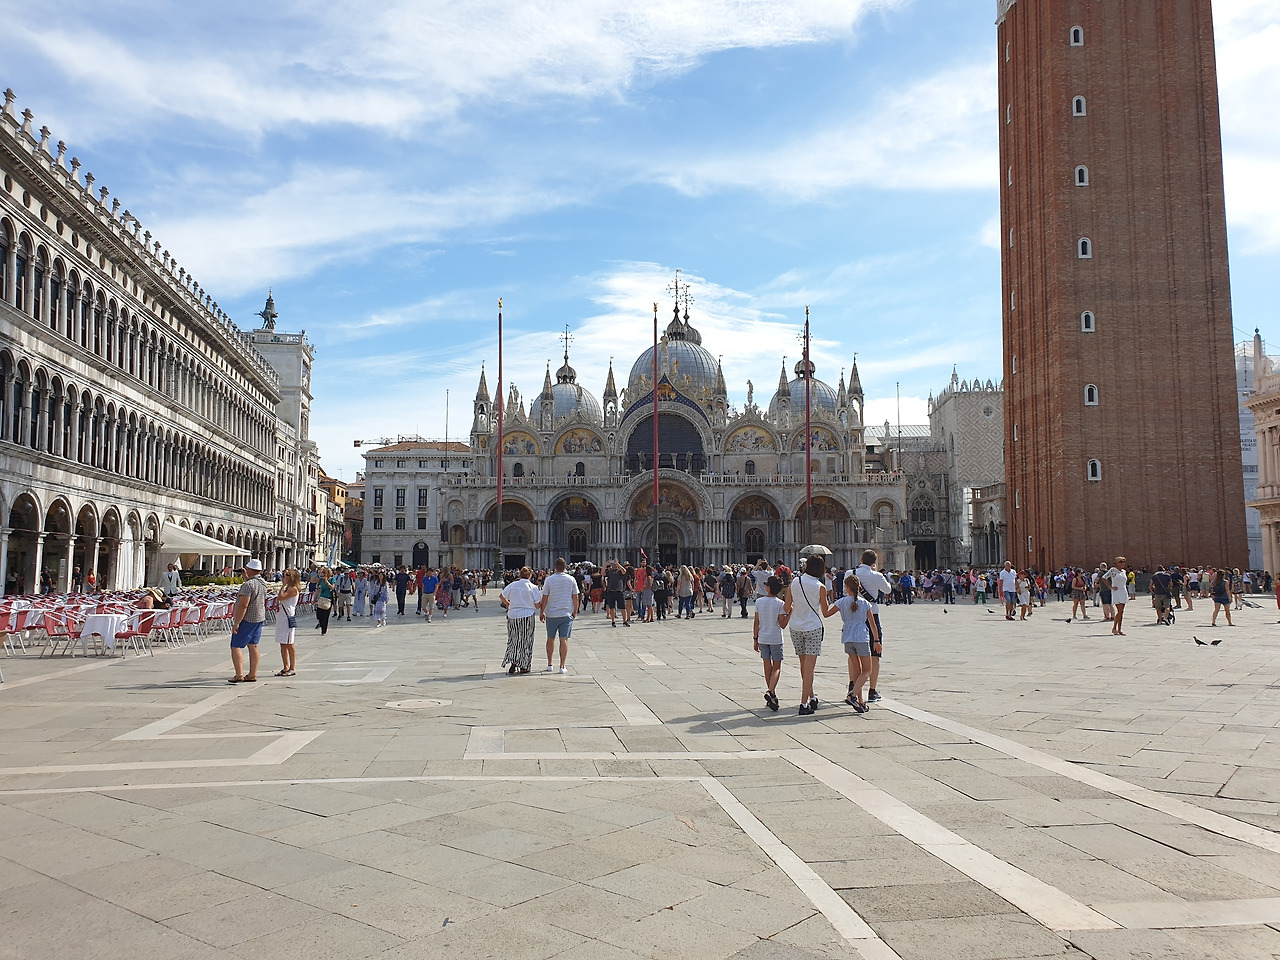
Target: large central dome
(685, 355)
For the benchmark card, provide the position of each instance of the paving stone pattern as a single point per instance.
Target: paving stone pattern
(404, 797)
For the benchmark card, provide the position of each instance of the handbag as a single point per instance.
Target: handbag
(291, 620)
(324, 603)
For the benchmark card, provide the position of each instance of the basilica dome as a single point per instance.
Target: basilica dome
(821, 396)
(569, 396)
(686, 356)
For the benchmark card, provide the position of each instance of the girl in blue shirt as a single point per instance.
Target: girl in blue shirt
(858, 632)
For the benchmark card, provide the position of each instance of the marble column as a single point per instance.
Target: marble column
(68, 582)
(4, 558)
(33, 585)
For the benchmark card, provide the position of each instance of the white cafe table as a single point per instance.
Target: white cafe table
(105, 625)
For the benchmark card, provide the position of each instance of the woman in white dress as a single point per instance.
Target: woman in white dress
(287, 622)
(361, 591)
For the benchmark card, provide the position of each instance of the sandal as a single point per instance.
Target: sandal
(235, 680)
(249, 680)
(283, 673)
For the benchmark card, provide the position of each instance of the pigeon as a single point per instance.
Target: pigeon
(1214, 643)
(945, 610)
(1198, 641)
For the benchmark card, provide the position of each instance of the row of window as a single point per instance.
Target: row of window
(47, 415)
(400, 523)
(60, 299)
(423, 464)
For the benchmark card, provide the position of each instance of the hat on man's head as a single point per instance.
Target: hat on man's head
(254, 564)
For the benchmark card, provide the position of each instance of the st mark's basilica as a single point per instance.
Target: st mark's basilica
(579, 471)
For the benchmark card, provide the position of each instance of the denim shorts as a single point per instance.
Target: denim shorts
(770, 651)
(860, 648)
(561, 626)
(249, 633)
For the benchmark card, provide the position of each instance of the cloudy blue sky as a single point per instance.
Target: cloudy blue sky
(392, 169)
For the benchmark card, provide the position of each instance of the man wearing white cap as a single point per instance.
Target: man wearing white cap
(246, 622)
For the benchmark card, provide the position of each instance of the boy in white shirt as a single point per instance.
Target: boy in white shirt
(771, 618)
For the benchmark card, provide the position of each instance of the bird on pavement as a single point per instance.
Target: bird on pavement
(1199, 642)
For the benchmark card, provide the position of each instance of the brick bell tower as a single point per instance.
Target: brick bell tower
(1122, 434)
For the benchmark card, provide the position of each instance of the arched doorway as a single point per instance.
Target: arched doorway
(109, 551)
(514, 533)
(575, 524)
(754, 522)
(84, 555)
(58, 544)
(830, 523)
(24, 542)
(421, 554)
(677, 524)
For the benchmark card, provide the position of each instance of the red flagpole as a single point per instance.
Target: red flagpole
(498, 526)
(655, 433)
(808, 436)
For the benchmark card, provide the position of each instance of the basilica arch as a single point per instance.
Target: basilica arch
(683, 443)
(754, 523)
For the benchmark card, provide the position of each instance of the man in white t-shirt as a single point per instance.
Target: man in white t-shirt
(559, 607)
(1009, 589)
(1118, 577)
(760, 575)
(874, 586)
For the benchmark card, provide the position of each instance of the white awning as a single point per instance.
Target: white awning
(176, 539)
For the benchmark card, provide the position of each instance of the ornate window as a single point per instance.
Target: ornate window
(577, 541)
(922, 510)
(754, 541)
(750, 468)
(579, 469)
(517, 470)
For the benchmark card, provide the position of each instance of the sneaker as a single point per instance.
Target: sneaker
(564, 670)
(813, 704)
(771, 700)
(873, 697)
(806, 710)
(550, 669)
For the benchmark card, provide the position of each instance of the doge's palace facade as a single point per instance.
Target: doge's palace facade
(135, 417)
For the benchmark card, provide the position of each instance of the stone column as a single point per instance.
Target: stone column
(10, 272)
(91, 561)
(1269, 547)
(69, 583)
(4, 558)
(34, 585)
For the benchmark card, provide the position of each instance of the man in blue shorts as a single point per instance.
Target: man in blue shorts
(559, 605)
(246, 622)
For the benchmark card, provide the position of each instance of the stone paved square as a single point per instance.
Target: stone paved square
(1024, 790)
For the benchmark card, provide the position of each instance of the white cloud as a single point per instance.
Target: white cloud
(1248, 53)
(296, 226)
(936, 134)
(393, 64)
